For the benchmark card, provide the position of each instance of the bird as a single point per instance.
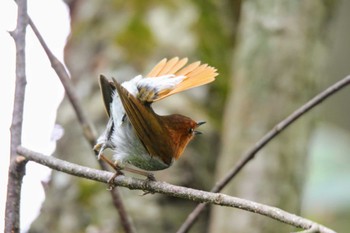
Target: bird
(137, 135)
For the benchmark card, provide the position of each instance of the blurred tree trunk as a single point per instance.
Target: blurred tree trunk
(278, 61)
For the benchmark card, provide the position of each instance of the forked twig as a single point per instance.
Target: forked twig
(250, 154)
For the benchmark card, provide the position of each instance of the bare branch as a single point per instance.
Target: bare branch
(88, 129)
(171, 190)
(250, 154)
(17, 164)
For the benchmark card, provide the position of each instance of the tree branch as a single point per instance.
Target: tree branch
(171, 190)
(250, 154)
(17, 164)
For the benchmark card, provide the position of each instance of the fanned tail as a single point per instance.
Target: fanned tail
(196, 74)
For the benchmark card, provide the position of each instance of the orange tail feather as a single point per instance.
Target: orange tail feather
(195, 74)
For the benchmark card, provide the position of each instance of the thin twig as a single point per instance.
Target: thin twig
(250, 154)
(172, 190)
(17, 164)
(88, 129)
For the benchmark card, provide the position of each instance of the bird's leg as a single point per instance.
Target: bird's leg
(118, 169)
(149, 175)
(115, 167)
(109, 162)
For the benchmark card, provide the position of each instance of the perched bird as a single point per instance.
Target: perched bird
(137, 135)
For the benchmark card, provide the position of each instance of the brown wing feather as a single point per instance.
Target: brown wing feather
(148, 126)
(107, 89)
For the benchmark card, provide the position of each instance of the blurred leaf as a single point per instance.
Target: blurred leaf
(136, 39)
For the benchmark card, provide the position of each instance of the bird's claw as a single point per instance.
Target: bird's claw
(146, 192)
(151, 177)
(110, 181)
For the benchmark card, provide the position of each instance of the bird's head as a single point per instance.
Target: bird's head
(182, 130)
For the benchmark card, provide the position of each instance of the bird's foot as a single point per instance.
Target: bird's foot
(151, 177)
(146, 192)
(111, 184)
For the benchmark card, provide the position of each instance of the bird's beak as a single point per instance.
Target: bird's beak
(199, 124)
(197, 132)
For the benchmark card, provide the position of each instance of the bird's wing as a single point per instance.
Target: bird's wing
(107, 89)
(170, 77)
(147, 125)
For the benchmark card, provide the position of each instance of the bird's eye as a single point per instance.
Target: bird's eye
(190, 130)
